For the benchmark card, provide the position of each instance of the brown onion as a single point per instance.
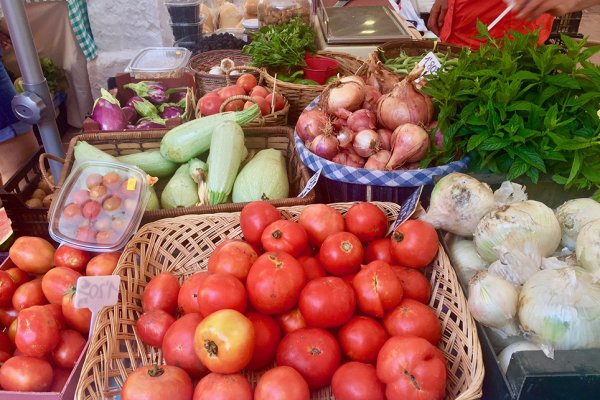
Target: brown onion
(366, 143)
(341, 98)
(345, 137)
(411, 143)
(378, 76)
(378, 160)
(339, 123)
(371, 97)
(311, 124)
(404, 104)
(353, 78)
(349, 159)
(325, 145)
(362, 119)
(385, 136)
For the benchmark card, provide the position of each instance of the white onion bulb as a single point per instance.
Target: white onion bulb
(588, 248)
(573, 215)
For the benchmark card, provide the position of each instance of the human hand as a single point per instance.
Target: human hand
(531, 9)
(437, 15)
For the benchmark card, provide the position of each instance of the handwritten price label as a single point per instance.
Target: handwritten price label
(95, 293)
(407, 209)
(431, 64)
(312, 182)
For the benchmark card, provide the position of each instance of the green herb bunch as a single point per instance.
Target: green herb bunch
(517, 108)
(281, 46)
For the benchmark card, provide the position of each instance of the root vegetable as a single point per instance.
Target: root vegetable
(325, 145)
(342, 98)
(378, 160)
(345, 137)
(362, 119)
(366, 143)
(349, 159)
(410, 144)
(385, 136)
(311, 124)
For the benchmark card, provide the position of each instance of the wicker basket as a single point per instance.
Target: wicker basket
(280, 138)
(300, 96)
(183, 245)
(201, 63)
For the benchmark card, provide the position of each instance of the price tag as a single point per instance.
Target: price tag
(406, 209)
(95, 293)
(431, 64)
(312, 182)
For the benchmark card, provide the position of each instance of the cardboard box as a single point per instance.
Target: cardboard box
(188, 79)
(67, 393)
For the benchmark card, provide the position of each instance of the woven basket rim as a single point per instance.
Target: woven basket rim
(234, 54)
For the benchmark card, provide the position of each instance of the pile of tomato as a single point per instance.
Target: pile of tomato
(42, 334)
(325, 301)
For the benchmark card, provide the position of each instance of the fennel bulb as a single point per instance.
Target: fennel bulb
(528, 226)
(588, 248)
(560, 309)
(465, 259)
(573, 215)
(458, 202)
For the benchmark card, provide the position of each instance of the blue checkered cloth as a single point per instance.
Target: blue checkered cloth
(398, 178)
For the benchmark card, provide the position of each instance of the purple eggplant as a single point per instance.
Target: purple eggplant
(147, 124)
(170, 111)
(145, 108)
(131, 115)
(108, 113)
(132, 100)
(153, 91)
(177, 96)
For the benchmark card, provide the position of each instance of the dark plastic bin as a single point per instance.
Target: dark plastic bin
(186, 12)
(180, 31)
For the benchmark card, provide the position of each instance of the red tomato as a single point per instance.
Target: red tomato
(281, 383)
(5, 343)
(152, 326)
(154, 383)
(7, 316)
(366, 221)
(274, 283)
(37, 331)
(412, 368)
(377, 288)
(223, 387)
(279, 100)
(414, 244)
(7, 288)
(361, 339)
(267, 335)
(56, 311)
(102, 264)
(187, 299)
(234, 105)
(224, 341)
(255, 217)
(327, 302)
(26, 374)
(259, 91)
(230, 91)
(313, 352)
(357, 381)
(320, 221)
(220, 291)
(291, 321)
(18, 275)
(234, 257)
(57, 281)
(161, 293)
(4, 356)
(341, 254)
(265, 107)
(178, 345)
(246, 82)
(379, 249)
(29, 294)
(210, 104)
(59, 379)
(69, 348)
(312, 267)
(286, 236)
(32, 254)
(12, 332)
(414, 284)
(412, 318)
(70, 257)
(77, 318)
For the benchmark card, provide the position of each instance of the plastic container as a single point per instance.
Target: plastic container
(184, 11)
(100, 206)
(319, 68)
(182, 30)
(273, 12)
(159, 62)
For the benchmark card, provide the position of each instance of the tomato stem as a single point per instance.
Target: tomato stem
(155, 371)
(346, 246)
(398, 236)
(211, 347)
(277, 234)
(314, 351)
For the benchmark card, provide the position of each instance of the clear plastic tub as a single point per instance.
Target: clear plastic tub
(100, 206)
(159, 62)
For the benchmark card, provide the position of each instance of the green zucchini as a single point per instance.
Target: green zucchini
(193, 138)
(151, 162)
(181, 190)
(83, 151)
(263, 178)
(226, 155)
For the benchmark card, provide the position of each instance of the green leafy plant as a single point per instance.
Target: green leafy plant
(281, 46)
(520, 109)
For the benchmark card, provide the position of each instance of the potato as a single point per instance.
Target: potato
(38, 194)
(44, 186)
(48, 200)
(34, 203)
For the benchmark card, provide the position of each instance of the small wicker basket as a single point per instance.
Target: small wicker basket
(201, 63)
(183, 246)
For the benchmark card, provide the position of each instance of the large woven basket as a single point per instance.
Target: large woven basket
(201, 63)
(280, 138)
(299, 96)
(183, 246)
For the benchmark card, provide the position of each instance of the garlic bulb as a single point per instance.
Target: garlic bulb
(493, 302)
(573, 215)
(464, 256)
(588, 248)
(458, 202)
(527, 226)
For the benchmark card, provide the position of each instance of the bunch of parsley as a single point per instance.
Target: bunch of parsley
(518, 109)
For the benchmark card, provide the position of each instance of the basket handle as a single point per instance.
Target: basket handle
(42, 164)
(244, 68)
(233, 98)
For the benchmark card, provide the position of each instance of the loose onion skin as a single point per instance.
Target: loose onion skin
(366, 143)
(378, 160)
(325, 145)
(410, 144)
(349, 159)
(362, 119)
(404, 104)
(311, 124)
(385, 136)
(342, 98)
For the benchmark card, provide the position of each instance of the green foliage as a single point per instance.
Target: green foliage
(520, 109)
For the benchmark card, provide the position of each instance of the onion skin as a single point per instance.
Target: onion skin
(349, 159)
(325, 145)
(341, 98)
(311, 124)
(362, 119)
(404, 104)
(366, 143)
(410, 144)
(377, 76)
(372, 95)
(385, 136)
(378, 160)
(353, 78)
(345, 137)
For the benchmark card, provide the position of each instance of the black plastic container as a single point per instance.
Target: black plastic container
(181, 31)
(186, 12)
